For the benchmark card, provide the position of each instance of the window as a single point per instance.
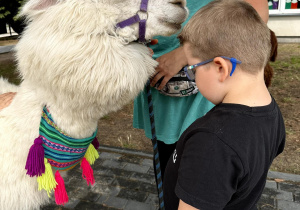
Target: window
(284, 7)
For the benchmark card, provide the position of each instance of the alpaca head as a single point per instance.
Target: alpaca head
(164, 17)
(71, 49)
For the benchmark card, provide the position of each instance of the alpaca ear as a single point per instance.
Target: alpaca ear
(36, 6)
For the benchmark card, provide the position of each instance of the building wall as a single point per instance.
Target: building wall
(285, 25)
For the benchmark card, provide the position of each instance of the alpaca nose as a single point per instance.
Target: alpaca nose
(181, 3)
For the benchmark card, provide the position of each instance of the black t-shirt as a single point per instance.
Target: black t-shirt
(221, 161)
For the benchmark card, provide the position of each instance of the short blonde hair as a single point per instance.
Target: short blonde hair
(230, 28)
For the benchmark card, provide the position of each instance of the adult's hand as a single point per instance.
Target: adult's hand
(6, 99)
(169, 65)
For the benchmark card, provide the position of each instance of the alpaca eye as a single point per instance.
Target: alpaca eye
(178, 4)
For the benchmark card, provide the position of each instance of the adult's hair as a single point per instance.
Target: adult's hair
(230, 28)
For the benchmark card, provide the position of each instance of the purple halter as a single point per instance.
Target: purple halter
(135, 19)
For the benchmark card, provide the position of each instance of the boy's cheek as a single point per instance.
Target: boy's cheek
(209, 89)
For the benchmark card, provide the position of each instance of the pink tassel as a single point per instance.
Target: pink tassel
(95, 143)
(61, 196)
(87, 172)
(35, 160)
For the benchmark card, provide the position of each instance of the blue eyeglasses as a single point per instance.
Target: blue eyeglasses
(190, 70)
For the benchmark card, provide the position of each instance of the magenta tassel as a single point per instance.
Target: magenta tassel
(60, 193)
(95, 143)
(35, 165)
(87, 172)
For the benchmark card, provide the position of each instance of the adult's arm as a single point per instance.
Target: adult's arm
(261, 7)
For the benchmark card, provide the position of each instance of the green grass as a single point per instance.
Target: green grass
(286, 71)
(288, 99)
(106, 117)
(293, 63)
(290, 131)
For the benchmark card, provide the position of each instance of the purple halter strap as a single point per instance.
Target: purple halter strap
(135, 19)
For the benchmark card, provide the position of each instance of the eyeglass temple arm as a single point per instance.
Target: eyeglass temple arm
(234, 61)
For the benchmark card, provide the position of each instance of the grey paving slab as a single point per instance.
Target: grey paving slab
(106, 189)
(152, 199)
(151, 171)
(134, 205)
(107, 155)
(284, 176)
(143, 177)
(83, 205)
(134, 195)
(289, 187)
(113, 164)
(147, 162)
(102, 199)
(101, 170)
(119, 172)
(266, 202)
(72, 203)
(125, 151)
(288, 205)
(6, 49)
(271, 184)
(297, 197)
(104, 179)
(149, 188)
(126, 183)
(283, 195)
(116, 202)
(270, 192)
(92, 197)
(136, 168)
(131, 159)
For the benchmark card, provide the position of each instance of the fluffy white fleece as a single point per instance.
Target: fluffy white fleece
(5, 86)
(72, 59)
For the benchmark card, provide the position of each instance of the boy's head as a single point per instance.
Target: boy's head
(229, 28)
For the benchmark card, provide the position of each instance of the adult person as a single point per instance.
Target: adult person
(173, 115)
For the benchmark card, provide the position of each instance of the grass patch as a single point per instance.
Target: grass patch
(288, 100)
(293, 63)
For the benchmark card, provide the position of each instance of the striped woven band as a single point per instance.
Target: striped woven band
(63, 152)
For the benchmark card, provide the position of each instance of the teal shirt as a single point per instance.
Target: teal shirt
(172, 115)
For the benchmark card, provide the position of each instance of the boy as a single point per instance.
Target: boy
(221, 161)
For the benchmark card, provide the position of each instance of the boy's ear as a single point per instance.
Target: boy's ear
(223, 68)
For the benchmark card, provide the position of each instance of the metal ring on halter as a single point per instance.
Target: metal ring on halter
(143, 12)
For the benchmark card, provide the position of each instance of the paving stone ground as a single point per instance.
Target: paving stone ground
(125, 180)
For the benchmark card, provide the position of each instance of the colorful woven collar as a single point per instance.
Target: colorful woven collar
(62, 152)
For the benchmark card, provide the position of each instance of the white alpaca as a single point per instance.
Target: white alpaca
(72, 59)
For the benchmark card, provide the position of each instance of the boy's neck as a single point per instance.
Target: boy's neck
(249, 90)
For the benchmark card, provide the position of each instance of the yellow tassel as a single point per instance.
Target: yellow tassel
(91, 154)
(47, 180)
